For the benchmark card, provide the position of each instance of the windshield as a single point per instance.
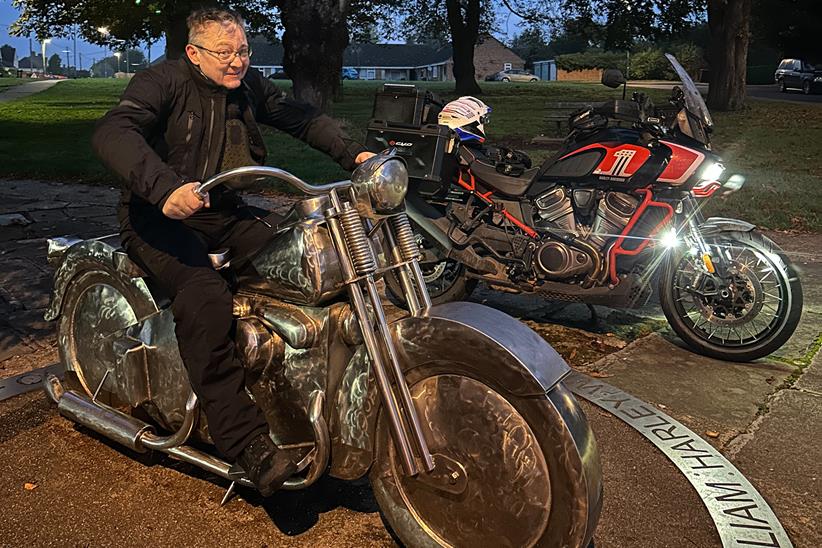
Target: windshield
(693, 99)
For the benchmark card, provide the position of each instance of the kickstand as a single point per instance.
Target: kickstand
(228, 493)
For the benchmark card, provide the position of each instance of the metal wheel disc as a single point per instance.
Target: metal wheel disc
(100, 312)
(507, 500)
(745, 309)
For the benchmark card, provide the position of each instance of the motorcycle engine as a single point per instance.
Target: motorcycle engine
(554, 259)
(570, 213)
(613, 213)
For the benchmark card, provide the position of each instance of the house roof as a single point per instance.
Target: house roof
(267, 54)
(360, 55)
(26, 62)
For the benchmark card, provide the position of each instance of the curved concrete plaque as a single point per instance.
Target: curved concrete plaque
(741, 515)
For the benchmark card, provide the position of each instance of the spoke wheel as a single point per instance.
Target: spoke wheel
(746, 311)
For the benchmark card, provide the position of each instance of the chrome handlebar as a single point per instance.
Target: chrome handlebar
(265, 171)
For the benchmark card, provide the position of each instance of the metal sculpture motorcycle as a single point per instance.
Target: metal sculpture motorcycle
(457, 411)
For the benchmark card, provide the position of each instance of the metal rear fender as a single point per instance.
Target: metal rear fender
(474, 340)
(87, 256)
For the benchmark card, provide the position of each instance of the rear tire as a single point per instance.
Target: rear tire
(526, 480)
(756, 341)
(95, 305)
(806, 87)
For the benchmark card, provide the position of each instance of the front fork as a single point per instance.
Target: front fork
(708, 266)
(359, 265)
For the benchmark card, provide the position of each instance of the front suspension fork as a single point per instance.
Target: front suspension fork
(359, 265)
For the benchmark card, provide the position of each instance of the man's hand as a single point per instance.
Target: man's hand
(184, 201)
(363, 156)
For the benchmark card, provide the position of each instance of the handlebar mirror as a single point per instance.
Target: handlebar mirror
(613, 78)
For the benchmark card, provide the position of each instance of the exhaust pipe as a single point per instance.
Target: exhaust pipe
(111, 423)
(140, 436)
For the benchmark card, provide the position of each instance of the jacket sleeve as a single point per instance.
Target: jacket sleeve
(308, 124)
(121, 138)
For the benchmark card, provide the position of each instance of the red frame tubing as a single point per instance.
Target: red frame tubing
(616, 249)
(471, 185)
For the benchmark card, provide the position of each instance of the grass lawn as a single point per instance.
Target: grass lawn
(771, 144)
(6, 83)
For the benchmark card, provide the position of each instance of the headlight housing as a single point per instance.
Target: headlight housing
(712, 172)
(380, 184)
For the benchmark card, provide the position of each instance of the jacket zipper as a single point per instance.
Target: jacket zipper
(188, 140)
(208, 148)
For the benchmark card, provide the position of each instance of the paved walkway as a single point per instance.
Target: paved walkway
(24, 90)
(766, 417)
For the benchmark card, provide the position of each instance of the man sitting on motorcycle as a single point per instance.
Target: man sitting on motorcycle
(177, 124)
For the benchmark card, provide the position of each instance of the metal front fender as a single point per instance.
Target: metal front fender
(492, 343)
(715, 225)
(84, 256)
(475, 340)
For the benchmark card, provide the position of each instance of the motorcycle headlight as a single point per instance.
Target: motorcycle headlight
(712, 171)
(380, 184)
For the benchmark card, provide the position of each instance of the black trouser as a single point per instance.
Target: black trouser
(175, 255)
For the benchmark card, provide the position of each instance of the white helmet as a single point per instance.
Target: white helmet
(466, 116)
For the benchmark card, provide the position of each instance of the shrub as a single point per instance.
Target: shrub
(591, 59)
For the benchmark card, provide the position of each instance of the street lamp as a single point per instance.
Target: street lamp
(43, 50)
(117, 54)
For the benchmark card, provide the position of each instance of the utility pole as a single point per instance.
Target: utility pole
(81, 60)
(75, 48)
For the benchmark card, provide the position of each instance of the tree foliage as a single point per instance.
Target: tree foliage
(790, 26)
(616, 24)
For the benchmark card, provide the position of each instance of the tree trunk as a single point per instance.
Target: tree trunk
(315, 37)
(729, 27)
(464, 34)
(176, 28)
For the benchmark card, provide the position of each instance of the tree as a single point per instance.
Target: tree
(55, 64)
(131, 21)
(459, 22)
(729, 26)
(464, 22)
(789, 26)
(531, 45)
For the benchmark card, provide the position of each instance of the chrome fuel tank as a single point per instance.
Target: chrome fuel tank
(301, 265)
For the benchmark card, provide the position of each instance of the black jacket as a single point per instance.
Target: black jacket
(169, 127)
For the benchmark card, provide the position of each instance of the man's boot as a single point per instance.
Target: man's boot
(266, 466)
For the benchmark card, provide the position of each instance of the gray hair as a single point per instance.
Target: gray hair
(199, 19)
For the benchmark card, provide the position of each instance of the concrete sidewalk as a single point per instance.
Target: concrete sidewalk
(766, 417)
(24, 90)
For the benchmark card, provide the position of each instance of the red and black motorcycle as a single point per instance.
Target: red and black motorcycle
(621, 200)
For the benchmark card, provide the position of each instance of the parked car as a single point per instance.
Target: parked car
(798, 74)
(349, 73)
(515, 75)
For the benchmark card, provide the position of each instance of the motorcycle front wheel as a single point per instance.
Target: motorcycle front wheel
(527, 483)
(748, 312)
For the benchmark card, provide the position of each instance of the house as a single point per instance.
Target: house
(31, 64)
(400, 61)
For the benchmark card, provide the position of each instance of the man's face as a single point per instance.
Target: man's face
(224, 39)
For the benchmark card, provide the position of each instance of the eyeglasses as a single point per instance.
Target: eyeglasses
(226, 56)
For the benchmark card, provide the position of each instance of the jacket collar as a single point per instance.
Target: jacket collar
(204, 84)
